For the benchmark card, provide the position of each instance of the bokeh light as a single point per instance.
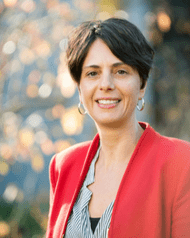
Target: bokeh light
(32, 90)
(45, 91)
(63, 44)
(10, 193)
(103, 15)
(6, 151)
(40, 137)
(68, 87)
(72, 122)
(26, 137)
(34, 120)
(84, 5)
(9, 47)
(4, 168)
(27, 56)
(47, 147)
(43, 49)
(37, 162)
(28, 6)
(61, 145)
(122, 14)
(4, 229)
(10, 3)
(58, 110)
(164, 21)
(34, 76)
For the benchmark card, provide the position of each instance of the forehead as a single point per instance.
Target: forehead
(100, 54)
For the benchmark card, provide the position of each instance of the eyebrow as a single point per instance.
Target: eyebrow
(97, 67)
(91, 66)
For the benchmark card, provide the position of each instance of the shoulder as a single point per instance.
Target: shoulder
(165, 145)
(166, 149)
(174, 146)
(72, 160)
(172, 155)
(69, 155)
(72, 150)
(168, 160)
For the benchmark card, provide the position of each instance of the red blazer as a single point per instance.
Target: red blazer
(153, 200)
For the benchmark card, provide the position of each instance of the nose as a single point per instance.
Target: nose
(106, 82)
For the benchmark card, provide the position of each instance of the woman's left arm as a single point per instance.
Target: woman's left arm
(181, 207)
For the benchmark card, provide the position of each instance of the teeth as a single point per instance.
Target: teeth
(108, 101)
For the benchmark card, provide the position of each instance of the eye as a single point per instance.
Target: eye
(92, 74)
(121, 71)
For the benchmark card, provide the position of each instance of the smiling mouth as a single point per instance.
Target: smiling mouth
(107, 102)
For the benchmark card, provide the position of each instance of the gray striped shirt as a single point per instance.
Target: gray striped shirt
(79, 222)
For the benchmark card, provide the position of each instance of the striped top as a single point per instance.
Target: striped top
(79, 221)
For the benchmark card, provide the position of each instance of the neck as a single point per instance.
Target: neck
(117, 145)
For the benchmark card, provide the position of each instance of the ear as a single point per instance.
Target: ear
(80, 97)
(142, 91)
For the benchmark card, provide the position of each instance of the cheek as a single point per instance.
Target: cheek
(87, 90)
(85, 95)
(132, 88)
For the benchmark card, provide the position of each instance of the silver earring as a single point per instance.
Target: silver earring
(142, 106)
(79, 108)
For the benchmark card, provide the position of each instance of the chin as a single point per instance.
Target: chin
(110, 123)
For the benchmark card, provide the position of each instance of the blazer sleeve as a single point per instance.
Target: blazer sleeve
(181, 207)
(52, 179)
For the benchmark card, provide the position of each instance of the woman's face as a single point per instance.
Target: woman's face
(109, 89)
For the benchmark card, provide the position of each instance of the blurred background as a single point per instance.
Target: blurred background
(38, 99)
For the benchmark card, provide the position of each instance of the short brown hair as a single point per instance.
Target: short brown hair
(122, 37)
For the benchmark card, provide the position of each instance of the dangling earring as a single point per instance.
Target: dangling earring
(143, 104)
(79, 108)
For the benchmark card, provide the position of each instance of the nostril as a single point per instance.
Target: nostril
(106, 89)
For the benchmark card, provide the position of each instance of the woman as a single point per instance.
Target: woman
(129, 181)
